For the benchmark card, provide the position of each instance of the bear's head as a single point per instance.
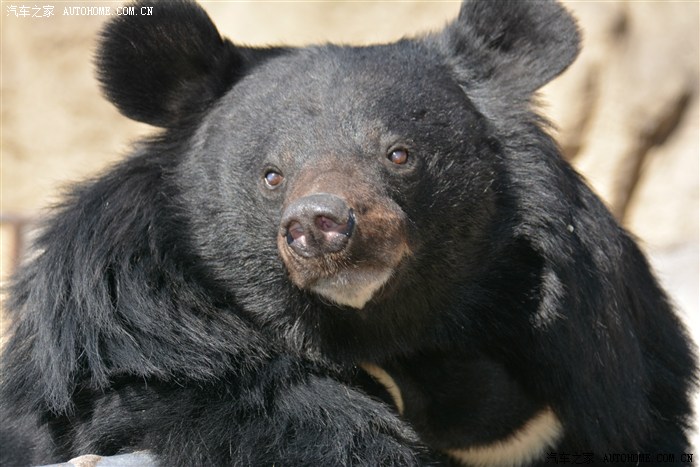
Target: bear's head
(342, 184)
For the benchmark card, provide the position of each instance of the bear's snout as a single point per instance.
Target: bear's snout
(317, 224)
(344, 247)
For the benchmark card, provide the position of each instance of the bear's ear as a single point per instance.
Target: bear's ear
(520, 44)
(165, 67)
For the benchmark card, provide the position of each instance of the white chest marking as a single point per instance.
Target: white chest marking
(522, 447)
(525, 445)
(388, 382)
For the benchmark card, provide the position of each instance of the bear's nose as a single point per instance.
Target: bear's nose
(317, 224)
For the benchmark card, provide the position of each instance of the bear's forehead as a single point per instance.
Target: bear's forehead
(340, 95)
(342, 79)
(334, 101)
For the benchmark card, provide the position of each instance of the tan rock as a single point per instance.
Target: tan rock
(627, 98)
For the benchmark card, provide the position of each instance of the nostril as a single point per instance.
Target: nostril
(294, 231)
(326, 224)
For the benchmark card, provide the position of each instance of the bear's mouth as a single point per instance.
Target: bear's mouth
(351, 278)
(344, 252)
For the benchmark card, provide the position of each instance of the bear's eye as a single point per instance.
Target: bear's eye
(273, 178)
(398, 156)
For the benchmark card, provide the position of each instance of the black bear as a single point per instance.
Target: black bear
(337, 255)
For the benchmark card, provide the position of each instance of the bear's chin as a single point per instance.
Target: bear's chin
(352, 288)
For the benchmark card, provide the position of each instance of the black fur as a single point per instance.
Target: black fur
(163, 68)
(162, 311)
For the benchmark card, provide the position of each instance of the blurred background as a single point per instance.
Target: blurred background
(625, 114)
